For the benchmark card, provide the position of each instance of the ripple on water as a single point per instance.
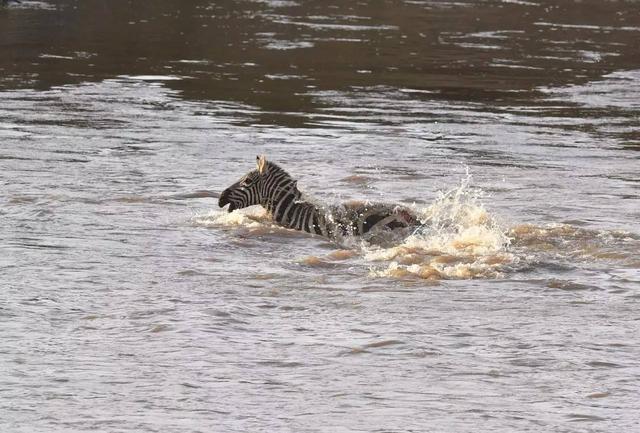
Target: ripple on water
(28, 4)
(287, 45)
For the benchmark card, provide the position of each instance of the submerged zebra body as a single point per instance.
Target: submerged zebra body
(272, 188)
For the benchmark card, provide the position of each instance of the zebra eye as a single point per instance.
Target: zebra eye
(247, 182)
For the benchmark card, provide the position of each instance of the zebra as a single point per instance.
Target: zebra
(276, 191)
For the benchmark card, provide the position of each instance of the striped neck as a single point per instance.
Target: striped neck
(282, 198)
(277, 187)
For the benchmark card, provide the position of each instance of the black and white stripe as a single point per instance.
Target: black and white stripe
(272, 188)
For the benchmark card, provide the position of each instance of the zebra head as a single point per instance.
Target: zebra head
(255, 187)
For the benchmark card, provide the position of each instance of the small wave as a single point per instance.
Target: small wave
(153, 77)
(317, 262)
(576, 244)
(33, 5)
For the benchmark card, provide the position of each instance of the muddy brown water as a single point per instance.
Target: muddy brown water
(130, 303)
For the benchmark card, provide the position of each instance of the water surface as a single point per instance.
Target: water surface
(131, 303)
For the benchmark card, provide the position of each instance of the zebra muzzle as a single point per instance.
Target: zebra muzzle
(224, 200)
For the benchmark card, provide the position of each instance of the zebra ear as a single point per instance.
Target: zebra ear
(261, 163)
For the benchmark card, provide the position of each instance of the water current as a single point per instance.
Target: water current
(129, 302)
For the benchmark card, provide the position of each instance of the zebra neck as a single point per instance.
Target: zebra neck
(277, 197)
(293, 212)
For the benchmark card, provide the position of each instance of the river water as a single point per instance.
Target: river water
(130, 302)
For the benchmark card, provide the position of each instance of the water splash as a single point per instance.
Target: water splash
(252, 217)
(458, 239)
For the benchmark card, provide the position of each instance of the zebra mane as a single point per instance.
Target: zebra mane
(276, 169)
(273, 167)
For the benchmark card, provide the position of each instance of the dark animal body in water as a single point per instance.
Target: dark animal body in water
(276, 191)
(6, 2)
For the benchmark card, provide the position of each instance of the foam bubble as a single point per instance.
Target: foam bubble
(251, 217)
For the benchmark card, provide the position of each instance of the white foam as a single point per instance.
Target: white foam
(250, 217)
(458, 239)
